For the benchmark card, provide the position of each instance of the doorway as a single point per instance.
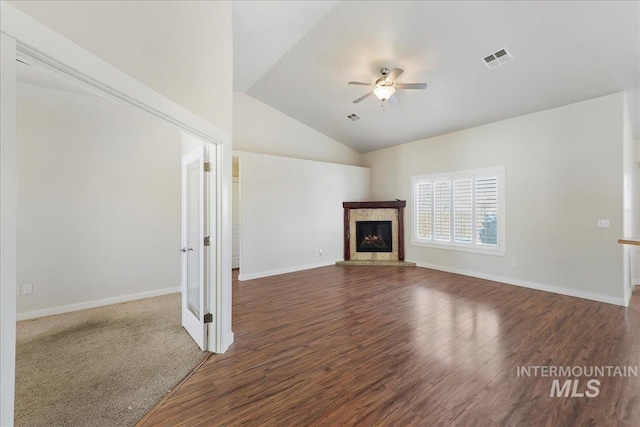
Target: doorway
(28, 40)
(102, 228)
(235, 215)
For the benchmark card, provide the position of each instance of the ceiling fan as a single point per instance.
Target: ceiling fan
(386, 86)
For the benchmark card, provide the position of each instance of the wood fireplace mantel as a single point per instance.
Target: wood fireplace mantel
(399, 205)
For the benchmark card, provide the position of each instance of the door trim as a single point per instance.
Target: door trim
(8, 227)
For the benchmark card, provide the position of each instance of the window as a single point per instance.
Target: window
(461, 210)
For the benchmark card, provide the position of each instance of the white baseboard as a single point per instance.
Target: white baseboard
(96, 303)
(629, 291)
(227, 340)
(531, 285)
(283, 270)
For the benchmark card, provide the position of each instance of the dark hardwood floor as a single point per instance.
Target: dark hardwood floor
(395, 346)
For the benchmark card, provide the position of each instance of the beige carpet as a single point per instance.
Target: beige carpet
(104, 366)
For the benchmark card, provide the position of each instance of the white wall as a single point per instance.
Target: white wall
(291, 206)
(260, 128)
(183, 50)
(98, 202)
(563, 172)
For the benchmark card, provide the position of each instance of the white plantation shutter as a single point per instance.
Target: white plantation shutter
(442, 210)
(487, 210)
(423, 210)
(462, 210)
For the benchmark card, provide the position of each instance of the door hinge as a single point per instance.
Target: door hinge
(208, 318)
(207, 167)
(207, 241)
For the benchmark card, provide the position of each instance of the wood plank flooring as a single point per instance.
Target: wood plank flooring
(394, 346)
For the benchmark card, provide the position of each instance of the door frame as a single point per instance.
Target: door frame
(23, 37)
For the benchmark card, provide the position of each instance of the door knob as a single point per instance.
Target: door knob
(183, 250)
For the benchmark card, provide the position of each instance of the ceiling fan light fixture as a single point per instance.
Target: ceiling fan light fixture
(385, 87)
(384, 92)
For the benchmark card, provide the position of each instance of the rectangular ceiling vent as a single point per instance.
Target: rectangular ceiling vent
(354, 117)
(498, 58)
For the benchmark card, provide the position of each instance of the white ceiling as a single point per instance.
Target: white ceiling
(263, 31)
(564, 52)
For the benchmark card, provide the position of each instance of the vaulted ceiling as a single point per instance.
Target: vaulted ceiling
(298, 57)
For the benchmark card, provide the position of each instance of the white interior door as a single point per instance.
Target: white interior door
(194, 258)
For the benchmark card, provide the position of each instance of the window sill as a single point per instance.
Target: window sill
(460, 248)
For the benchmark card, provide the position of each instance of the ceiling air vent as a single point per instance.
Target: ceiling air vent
(354, 117)
(491, 61)
(497, 58)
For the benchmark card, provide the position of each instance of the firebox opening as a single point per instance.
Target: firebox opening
(373, 236)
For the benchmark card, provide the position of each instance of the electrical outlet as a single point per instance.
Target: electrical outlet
(27, 289)
(514, 263)
(314, 251)
(18, 290)
(603, 223)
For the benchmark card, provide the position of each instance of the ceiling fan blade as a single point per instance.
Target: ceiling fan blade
(411, 86)
(394, 74)
(393, 100)
(361, 83)
(363, 97)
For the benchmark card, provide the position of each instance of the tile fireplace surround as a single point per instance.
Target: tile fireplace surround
(392, 211)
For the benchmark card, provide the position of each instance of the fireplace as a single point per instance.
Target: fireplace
(374, 236)
(373, 231)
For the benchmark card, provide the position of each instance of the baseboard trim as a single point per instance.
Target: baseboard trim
(96, 303)
(629, 291)
(227, 340)
(251, 276)
(527, 284)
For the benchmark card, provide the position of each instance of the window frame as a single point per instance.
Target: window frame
(474, 246)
